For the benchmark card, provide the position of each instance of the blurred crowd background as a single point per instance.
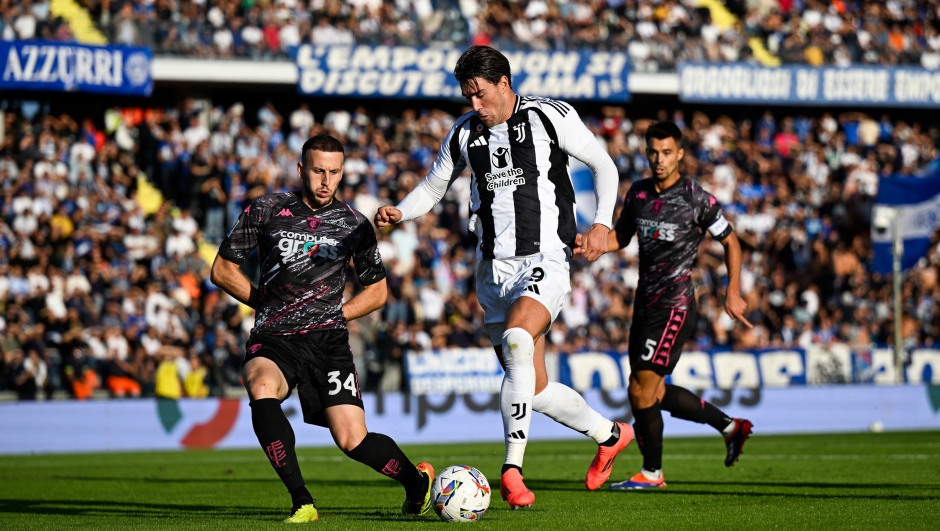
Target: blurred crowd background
(104, 286)
(656, 33)
(109, 220)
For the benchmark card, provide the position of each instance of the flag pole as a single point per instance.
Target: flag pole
(897, 251)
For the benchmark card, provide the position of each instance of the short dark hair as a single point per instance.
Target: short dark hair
(664, 130)
(324, 143)
(484, 62)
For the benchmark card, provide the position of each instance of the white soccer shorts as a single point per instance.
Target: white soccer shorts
(545, 277)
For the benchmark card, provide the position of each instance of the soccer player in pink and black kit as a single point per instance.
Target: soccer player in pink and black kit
(305, 241)
(670, 214)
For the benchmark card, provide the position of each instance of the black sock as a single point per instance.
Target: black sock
(380, 453)
(648, 425)
(300, 497)
(684, 404)
(614, 436)
(507, 467)
(277, 440)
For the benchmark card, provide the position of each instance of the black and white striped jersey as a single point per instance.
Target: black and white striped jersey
(522, 199)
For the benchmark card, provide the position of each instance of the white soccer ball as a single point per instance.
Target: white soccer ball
(460, 493)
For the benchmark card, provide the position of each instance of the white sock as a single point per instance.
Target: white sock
(567, 407)
(515, 396)
(654, 475)
(729, 429)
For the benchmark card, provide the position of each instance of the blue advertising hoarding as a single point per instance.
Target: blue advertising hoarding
(412, 72)
(66, 67)
(477, 370)
(800, 85)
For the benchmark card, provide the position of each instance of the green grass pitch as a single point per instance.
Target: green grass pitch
(857, 481)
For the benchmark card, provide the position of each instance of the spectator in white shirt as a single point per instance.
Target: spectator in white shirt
(195, 133)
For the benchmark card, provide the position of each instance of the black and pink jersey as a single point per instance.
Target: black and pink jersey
(304, 257)
(669, 226)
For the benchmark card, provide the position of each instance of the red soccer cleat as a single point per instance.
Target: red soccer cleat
(603, 463)
(514, 491)
(735, 441)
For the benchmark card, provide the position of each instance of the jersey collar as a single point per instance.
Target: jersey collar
(674, 185)
(518, 104)
(299, 196)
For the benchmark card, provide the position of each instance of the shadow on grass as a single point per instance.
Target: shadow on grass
(76, 508)
(132, 509)
(760, 489)
(314, 481)
(794, 484)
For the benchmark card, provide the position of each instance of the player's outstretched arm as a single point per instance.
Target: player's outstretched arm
(429, 192)
(734, 304)
(225, 274)
(371, 298)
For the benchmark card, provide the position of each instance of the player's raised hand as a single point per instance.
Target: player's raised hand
(387, 216)
(735, 306)
(593, 244)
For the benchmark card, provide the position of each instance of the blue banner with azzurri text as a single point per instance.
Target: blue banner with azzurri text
(56, 66)
(411, 72)
(800, 85)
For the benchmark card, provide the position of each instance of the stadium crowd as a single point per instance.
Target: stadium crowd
(101, 287)
(656, 33)
(30, 19)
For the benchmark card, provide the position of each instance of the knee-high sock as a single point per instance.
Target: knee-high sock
(683, 404)
(567, 407)
(648, 426)
(276, 436)
(515, 396)
(382, 454)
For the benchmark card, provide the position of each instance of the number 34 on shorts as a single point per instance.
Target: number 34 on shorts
(349, 384)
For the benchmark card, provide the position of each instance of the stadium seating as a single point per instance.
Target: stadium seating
(94, 281)
(656, 34)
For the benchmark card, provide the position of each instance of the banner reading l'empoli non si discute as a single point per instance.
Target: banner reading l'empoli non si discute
(66, 67)
(799, 85)
(412, 72)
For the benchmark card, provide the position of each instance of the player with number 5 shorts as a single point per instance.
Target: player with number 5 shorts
(305, 241)
(669, 215)
(523, 215)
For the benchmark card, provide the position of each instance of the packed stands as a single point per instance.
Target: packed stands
(102, 283)
(31, 19)
(657, 34)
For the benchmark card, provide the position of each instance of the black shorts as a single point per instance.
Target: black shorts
(657, 337)
(319, 364)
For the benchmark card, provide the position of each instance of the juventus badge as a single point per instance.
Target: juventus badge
(520, 131)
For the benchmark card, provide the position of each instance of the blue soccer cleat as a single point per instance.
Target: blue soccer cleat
(640, 481)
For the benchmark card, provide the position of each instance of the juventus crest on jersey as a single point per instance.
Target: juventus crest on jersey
(522, 199)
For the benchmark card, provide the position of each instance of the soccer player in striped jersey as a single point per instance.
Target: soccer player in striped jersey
(523, 215)
(670, 214)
